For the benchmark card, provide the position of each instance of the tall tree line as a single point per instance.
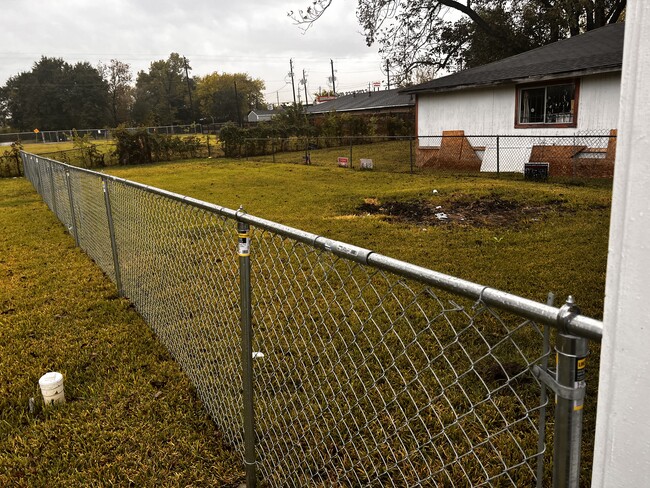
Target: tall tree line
(57, 95)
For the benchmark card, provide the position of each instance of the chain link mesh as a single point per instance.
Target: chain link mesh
(366, 378)
(371, 379)
(91, 219)
(178, 269)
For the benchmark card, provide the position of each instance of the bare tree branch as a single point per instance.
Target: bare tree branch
(415, 33)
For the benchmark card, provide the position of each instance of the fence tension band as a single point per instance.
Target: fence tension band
(566, 313)
(565, 392)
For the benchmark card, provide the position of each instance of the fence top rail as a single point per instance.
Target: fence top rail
(447, 136)
(566, 319)
(525, 136)
(329, 137)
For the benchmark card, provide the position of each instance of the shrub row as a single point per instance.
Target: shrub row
(292, 131)
(141, 147)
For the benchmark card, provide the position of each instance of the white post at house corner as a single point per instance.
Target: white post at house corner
(622, 449)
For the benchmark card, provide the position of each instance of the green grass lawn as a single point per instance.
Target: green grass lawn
(131, 417)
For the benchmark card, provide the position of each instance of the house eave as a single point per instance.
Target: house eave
(517, 80)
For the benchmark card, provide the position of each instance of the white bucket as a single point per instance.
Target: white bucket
(52, 388)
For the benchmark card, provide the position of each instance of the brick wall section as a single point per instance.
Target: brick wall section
(565, 161)
(560, 158)
(455, 153)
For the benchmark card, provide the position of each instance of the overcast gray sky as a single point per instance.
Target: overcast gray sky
(252, 36)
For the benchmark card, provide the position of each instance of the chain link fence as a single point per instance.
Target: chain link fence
(65, 135)
(581, 155)
(326, 364)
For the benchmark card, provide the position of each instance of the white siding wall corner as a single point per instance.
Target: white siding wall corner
(491, 111)
(477, 112)
(599, 102)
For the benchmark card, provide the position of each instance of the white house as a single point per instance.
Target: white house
(262, 115)
(568, 88)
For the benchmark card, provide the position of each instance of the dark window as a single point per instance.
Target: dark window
(552, 104)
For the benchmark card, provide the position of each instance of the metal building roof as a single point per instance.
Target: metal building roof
(373, 100)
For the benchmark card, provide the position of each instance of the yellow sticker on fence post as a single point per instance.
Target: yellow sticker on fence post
(245, 244)
(581, 369)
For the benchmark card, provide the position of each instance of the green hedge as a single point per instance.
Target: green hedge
(142, 147)
(292, 131)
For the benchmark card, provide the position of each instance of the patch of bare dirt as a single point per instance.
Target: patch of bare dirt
(487, 211)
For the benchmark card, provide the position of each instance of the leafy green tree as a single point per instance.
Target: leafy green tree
(292, 121)
(86, 97)
(117, 76)
(161, 94)
(433, 35)
(56, 95)
(217, 100)
(4, 109)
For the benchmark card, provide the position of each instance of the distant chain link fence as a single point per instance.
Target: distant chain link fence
(326, 364)
(63, 135)
(583, 154)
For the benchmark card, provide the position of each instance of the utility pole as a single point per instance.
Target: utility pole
(304, 82)
(333, 78)
(388, 73)
(238, 107)
(293, 85)
(189, 88)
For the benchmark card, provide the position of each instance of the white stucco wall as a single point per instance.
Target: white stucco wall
(491, 111)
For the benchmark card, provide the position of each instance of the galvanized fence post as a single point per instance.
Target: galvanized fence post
(570, 377)
(73, 221)
(244, 237)
(411, 153)
(111, 231)
(350, 152)
(52, 189)
(42, 176)
(36, 169)
(498, 158)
